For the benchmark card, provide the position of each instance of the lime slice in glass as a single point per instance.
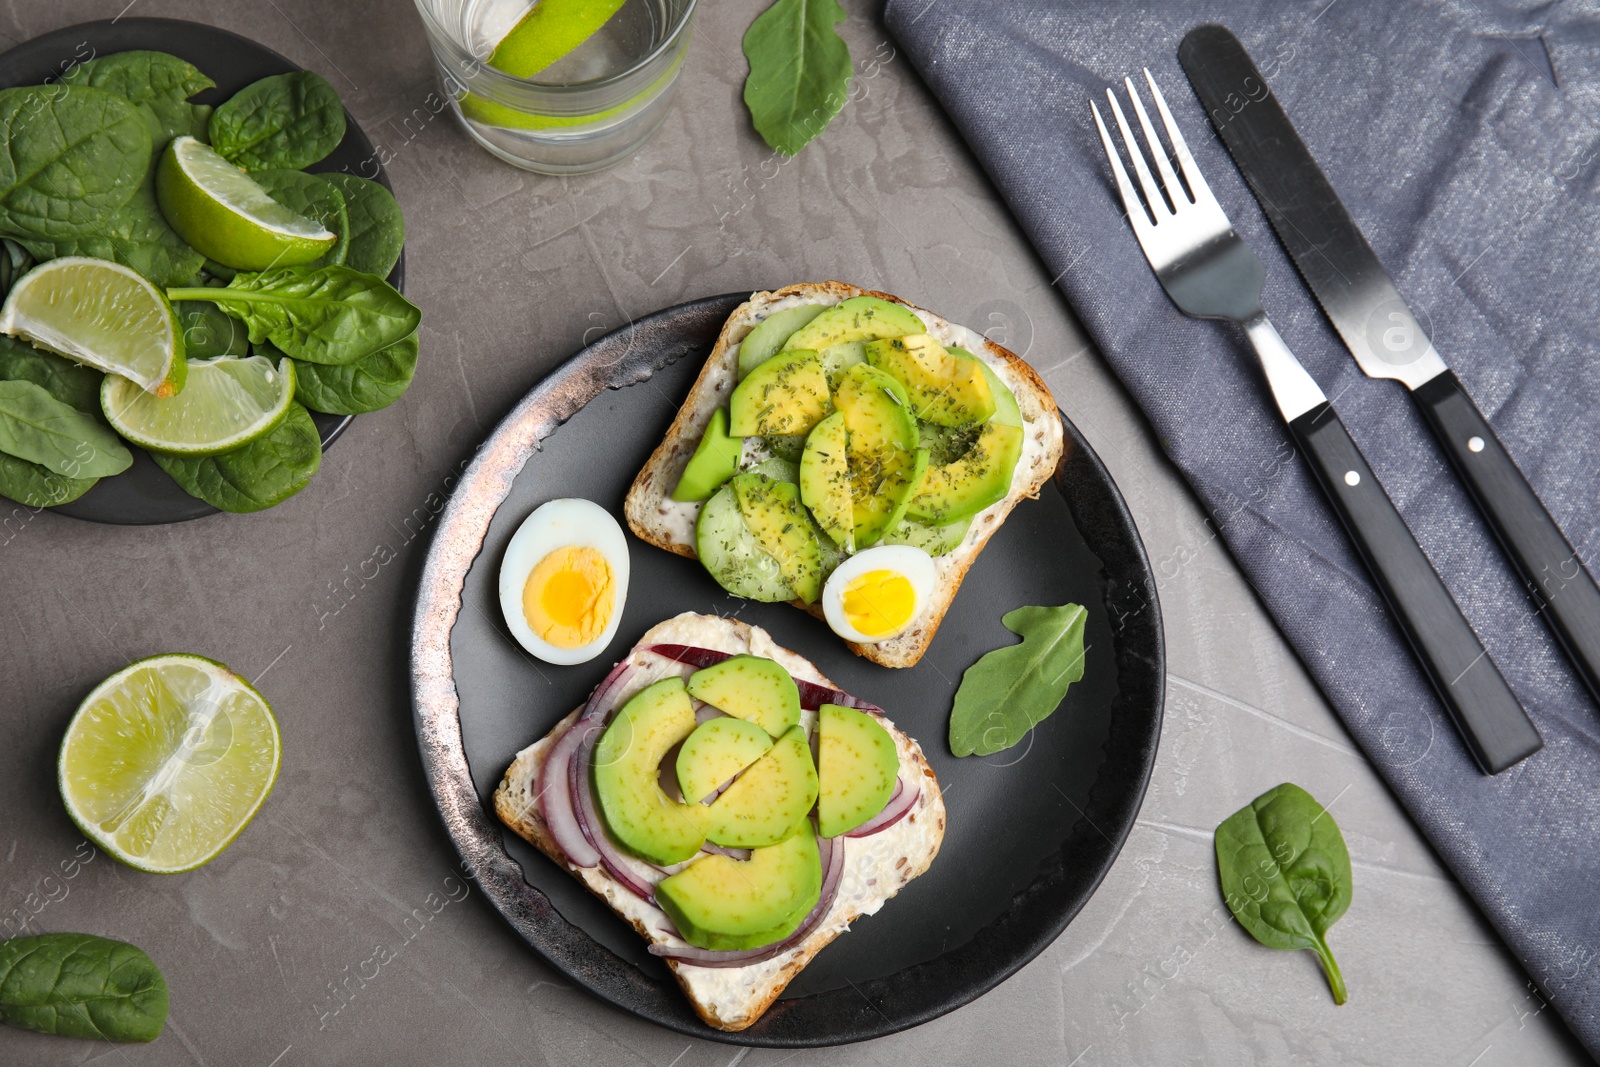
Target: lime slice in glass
(227, 216)
(550, 30)
(226, 403)
(167, 761)
(101, 314)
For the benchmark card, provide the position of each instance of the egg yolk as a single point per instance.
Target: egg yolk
(879, 602)
(569, 596)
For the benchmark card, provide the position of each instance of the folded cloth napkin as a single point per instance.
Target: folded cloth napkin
(1465, 139)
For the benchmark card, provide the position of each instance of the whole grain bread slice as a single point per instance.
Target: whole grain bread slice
(658, 519)
(876, 867)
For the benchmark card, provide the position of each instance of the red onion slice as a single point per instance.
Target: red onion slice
(555, 801)
(901, 801)
(588, 728)
(812, 695)
(597, 703)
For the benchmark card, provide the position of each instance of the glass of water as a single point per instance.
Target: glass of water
(589, 109)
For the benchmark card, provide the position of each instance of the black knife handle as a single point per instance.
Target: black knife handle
(1496, 729)
(1564, 592)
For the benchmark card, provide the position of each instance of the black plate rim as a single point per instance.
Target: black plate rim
(1037, 915)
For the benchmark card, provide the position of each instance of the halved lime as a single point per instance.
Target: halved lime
(227, 402)
(167, 761)
(101, 314)
(226, 215)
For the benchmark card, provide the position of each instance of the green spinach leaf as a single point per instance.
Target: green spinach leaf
(80, 985)
(70, 157)
(309, 195)
(69, 382)
(370, 383)
(319, 314)
(36, 487)
(135, 235)
(209, 332)
(37, 427)
(265, 472)
(289, 121)
(799, 71)
(1285, 873)
(1011, 690)
(158, 83)
(377, 228)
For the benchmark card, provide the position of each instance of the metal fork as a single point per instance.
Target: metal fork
(1209, 272)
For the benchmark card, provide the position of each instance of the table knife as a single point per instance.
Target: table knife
(1384, 335)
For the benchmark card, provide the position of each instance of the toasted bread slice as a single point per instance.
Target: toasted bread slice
(655, 517)
(876, 867)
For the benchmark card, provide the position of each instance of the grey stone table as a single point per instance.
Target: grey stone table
(513, 272)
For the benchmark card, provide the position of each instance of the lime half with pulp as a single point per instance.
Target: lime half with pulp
(227, 216)
(100, 314)
(167, 761)
(227, 403)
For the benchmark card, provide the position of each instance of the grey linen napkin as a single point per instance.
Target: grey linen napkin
(1465, 139)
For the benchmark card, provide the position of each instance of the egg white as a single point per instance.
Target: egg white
(912, 563)
(559, 524)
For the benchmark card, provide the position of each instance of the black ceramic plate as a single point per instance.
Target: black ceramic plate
(1030, 831)
(143, 495)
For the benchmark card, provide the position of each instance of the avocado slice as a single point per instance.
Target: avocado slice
(861, 318)
(857, 765)
(642, 818)
(788, 394)
(825, 480)
(1006, 411)
(730, 553)
(764, 803)
(722, 903)
(774, 514)
(945, 389)
(715, 460)
(716, 751)
(750, 687)
(763, 342)
(885, 464)
(968, 484)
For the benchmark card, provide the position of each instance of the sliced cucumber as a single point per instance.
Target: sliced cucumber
(778, 469)
(934, 540)
(770, 333)
(729, 551)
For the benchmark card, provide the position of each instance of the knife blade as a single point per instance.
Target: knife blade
(1384, 335)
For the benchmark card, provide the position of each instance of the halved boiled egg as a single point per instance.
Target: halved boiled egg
(564, 579)
(876, 594)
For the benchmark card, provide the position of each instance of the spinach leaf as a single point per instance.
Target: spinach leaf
(135, 235)
(1011, 690)
(15, 261)
(1285, 873)
(319, 314)
(314, 198)
(209, 332)
(267, 471)
(34, 486)
(158, 83)
(377, 229)
(37, 427)
(71, 383)
(370, 383)
(799, 71)
(80, 985)
(70, 157)
(289, 121)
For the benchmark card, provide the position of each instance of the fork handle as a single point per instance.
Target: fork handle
(1552, 571)
(1492, 723)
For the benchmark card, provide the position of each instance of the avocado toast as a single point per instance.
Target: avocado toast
(792, 896)
(828, 419)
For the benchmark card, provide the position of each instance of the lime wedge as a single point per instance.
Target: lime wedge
(550, 30)
(167, 760)
(227, 216)
(101, 314)
(226, 403)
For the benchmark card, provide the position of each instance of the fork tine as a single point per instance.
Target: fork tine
(1130, 198)
(1186, 164)
(1152, 194)
(1169, 180)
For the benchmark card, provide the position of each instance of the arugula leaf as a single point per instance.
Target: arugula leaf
(377, 228)
(320, 314)
(370, 383)
(288, 120)
(209, 332)
(136, 235)
(265, 472)
(309, 195)
(37, 427)
(80, 985)
(70, 157)
(799, 71)
(1011, 690)
(1286, 874)
(35, 487)
(158, 83)
(69, 382)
